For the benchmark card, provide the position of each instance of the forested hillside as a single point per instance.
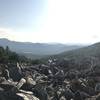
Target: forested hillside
(6, 56)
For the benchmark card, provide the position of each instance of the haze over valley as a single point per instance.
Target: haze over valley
(37, 50)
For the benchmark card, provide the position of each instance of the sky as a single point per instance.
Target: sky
(50, 21)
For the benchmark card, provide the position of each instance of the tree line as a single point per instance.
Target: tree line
(8, 56)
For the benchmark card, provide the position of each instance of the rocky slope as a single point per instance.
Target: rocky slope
(56, 80)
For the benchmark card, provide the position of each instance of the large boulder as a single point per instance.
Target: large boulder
(40, 91)
(15, 72)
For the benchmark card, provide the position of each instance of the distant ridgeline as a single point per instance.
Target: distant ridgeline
(37, 50)
(7, 56)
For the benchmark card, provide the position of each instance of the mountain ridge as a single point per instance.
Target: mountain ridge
(88, 51)
(39, 49)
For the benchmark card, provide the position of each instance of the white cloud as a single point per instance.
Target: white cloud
(6, 33)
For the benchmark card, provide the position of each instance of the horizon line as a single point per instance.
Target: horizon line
(48, 42)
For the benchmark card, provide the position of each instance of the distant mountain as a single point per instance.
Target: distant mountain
(37, 50)
(89, 51)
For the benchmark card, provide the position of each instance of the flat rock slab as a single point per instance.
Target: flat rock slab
(26, 96)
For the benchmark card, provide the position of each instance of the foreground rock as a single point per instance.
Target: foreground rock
(53, 81)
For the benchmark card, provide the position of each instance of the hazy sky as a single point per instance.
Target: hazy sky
(63, 21)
